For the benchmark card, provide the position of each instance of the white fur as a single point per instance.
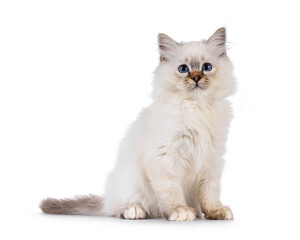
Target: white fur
(182, 214)
(134, 212)
(172, 154)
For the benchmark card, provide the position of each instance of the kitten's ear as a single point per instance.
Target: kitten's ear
(166, 46)
(217, 42)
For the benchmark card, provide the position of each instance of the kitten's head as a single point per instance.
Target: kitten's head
(194, 70)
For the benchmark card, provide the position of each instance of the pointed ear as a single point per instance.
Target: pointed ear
(166, 46)
(217, 42)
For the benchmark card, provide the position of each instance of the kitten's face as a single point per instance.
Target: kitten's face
(199, 70)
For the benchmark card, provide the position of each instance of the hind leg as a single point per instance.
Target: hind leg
(134, 212)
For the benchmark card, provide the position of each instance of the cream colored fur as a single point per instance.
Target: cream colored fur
(171, 160)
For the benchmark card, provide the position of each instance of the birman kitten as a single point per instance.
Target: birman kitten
(171, 160)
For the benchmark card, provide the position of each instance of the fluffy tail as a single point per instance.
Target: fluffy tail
(84, 205)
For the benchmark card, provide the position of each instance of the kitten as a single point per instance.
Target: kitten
(171, 160)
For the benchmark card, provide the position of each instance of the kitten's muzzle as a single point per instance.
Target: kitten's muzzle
(196, 76)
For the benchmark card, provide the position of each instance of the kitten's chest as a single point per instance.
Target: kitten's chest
(194, 135)
(188, 135)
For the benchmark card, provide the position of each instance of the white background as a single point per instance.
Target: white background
(74, 74)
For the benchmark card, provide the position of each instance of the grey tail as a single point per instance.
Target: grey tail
(83, 205)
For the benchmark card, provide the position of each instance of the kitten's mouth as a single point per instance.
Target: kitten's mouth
(197, 87)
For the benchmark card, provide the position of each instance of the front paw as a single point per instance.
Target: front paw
(220, 213)
(182, 214)
(134, 212)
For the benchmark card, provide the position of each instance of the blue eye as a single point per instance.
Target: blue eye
(183, 68)
(206, 67)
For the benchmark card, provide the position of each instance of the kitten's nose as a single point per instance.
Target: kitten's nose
(196, 76)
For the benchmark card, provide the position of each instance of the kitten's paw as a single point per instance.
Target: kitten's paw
(183, 214)
(134, 212)
(220, 213)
